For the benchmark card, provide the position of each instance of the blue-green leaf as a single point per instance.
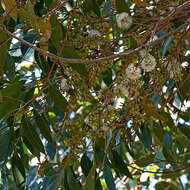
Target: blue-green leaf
(168, 139)
(109, 178)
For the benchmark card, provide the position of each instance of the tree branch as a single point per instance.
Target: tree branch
(97, 60)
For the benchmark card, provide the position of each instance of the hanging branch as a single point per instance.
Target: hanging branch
(97, 60)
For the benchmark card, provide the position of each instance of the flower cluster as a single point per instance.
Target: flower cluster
(148, 62)
(133, 72)
(63, 84)
(124, 20)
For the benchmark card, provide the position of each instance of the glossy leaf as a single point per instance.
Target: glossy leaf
(122, 166)
(58, 99)
(5, 145)
(43, 126)
(109, 178)
(72, 181)
(30, 133)
(90, 180)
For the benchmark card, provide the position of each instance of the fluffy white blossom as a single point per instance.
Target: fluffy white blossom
(122, 89)
(118, 103)
(124, 20)
(133, 72)
(148, 61)
(63, 84)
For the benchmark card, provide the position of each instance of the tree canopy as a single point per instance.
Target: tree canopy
(94, 94)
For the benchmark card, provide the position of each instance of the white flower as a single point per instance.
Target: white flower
(118, 103)
(122, 89)
(124, 20)
(148, 63)
(63, 84)
(133, 72)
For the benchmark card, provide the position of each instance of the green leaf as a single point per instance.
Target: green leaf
(9, 99)
(170, 185)
(145, 137)
(51, 150)
(30, 15)
(167, 45)
(9, 67)
(86, 164)
(109, 178)
(12, 90)
(168, 154)
(107, 8)
(58, 98)
(10, 7)
(57, 34)
(43, 126)
(90, 180)
(29, 38)
(92, 5)
(72, 181)
(185, 130)
(18, 178)
(168, 139)
(17, 162)
(53, 180)
(30, 133)
(69, 52)
(3, 50)
(121, 6)
(5, 145)
(119, 164)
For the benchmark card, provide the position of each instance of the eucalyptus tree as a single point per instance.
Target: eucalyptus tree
(94, 94)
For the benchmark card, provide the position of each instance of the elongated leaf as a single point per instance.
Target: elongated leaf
(58, 98)
(119, 164)
(17, 162)
(51, 150)
(167, 46)
(43, 126)
(109, 178)
(90, 180)
(145, 137)
(53, 180)
(29, 38)
(72, 181)
(185, 130)
(9, 99)
(57, 34)
(10, 6)
(9, 67)
(17, 175)
(30, 15)
(5, 145)
(86, 164)
(168, 139)
(107, 8)
(3, 50)
(30, 133)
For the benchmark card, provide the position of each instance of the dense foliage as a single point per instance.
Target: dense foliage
(94, 94)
